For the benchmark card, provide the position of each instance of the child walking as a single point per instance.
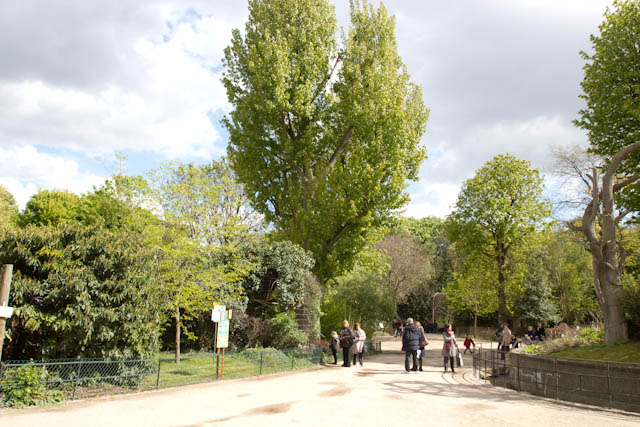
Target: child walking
(468, 342)
(334, 346)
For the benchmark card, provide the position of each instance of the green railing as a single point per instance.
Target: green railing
(82, 378)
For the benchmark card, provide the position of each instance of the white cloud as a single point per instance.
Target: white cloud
(25, 170)
(164, 108)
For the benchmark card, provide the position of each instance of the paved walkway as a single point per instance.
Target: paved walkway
(378, 394)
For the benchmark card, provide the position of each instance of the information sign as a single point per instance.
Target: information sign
(222, 339)
(217, 313)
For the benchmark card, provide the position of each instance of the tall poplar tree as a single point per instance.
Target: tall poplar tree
(323, 136)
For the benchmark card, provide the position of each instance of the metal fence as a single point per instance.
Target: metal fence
(75, 378)
(593, 382)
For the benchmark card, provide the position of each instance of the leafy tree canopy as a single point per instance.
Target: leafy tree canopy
(611, 89)
(8, 208)
(323, 137)
(50, 207)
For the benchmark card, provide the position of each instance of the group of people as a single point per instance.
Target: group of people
(508, 341)
(414, 343)
(352, 342)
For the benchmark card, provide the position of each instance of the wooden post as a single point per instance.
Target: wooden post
(222, 367)
(5, 286)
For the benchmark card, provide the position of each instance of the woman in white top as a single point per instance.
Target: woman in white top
(358, 346)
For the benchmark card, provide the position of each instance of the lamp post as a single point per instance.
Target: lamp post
(433, 305)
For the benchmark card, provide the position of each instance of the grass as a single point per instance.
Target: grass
(200, 368)
(623, 352)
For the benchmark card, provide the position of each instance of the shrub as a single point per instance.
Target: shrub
(631, 303)
(26, 386)
(80, 292)
(587, 336)
(285, 332)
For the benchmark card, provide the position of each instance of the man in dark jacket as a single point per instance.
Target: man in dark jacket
(347, 338)
(411, 340)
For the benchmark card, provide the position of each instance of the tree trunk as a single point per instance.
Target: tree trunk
(475, 324)
(502, 284)
(176, 314)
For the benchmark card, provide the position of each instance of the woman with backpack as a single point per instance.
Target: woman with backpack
(347, 338)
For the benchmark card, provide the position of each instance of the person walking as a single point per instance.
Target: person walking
(421, 348)
(358, 346)
(449, 347)
(334, 346)
(506, 341)
(468, 342)
(347, 338)
(411, 339)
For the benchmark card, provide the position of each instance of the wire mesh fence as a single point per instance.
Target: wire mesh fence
(74, 379)
(599, 383)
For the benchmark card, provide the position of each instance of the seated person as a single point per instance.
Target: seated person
(530, 337)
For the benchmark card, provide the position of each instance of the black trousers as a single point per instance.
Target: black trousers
(346, 356)
(359, 357)
(451, 361)
(411, 354)
(335, 356)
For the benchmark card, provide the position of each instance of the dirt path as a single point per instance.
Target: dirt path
(378, 394)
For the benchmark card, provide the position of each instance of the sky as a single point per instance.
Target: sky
(82, 81)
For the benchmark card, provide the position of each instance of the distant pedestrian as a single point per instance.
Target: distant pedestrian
(396, 327)
(505, 341)
(468, 342)
(449, 347)
(347, 338)
(411, 339)
(421, 348)
(334, 346)
(358, 346)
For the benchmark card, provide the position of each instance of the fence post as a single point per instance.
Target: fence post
(536, 378)
(261, 356)
(158, 377)
(292, 360)
(555, 372)
(493, 372)
(518, 372)
(217, 364)
(75, 384)
(609, 383)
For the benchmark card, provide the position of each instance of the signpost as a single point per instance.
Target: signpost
(220, 316)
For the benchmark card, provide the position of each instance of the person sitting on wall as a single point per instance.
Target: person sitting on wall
(530, 337)
(540, 332)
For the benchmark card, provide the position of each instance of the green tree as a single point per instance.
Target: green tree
(8, 208)
(611, 90)
(358, 296)
(569, 268)
(277, 281)
(203, 220)
(323, 137)
(50, 207)
(470, 289)
(80, 292)
(496, 211)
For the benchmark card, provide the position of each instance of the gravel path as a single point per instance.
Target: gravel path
(378, 394)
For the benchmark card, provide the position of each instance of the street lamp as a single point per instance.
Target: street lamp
(433, 305)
